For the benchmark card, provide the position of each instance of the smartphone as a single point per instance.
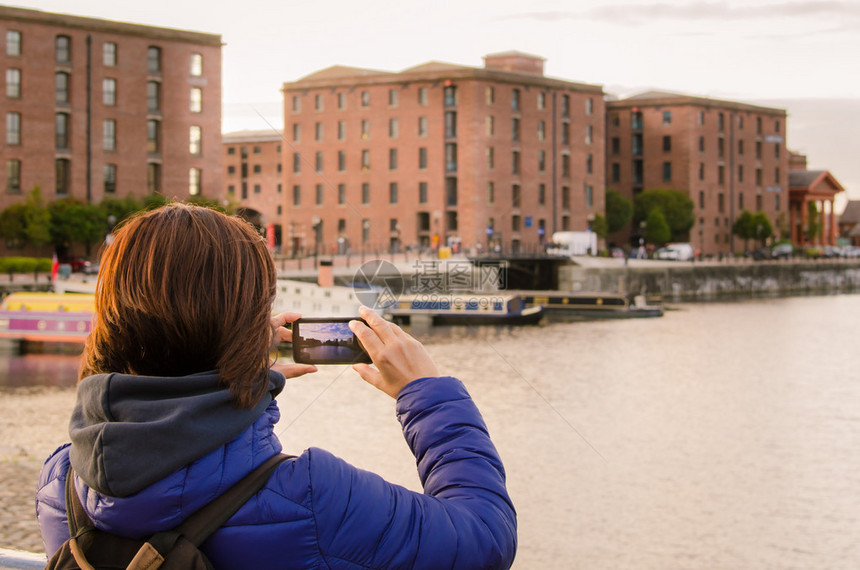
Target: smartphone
(327, 341)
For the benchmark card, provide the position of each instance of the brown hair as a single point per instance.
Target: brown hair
(185, 289)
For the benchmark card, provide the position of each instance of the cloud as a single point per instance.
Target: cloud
(633, 14)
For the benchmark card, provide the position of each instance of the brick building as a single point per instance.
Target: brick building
(97, 108)
(253, 175)
(440, 153)
(728, 156)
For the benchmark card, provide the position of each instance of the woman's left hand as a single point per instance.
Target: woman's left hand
(283, 334)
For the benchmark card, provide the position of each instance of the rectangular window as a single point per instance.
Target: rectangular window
(589, 164)
(195, 140)
(776, 175)
(516, 197)
(491, 192)
(758, 150)
(541, 161)
(392, 159)
(450, 124)
(318, 161)
(365, 160)
(489, 95)
(257, 188)
(13, 176)
(194, 181)
(153, 59)
(636, 120)
(341, 194)
(422, 158)
(516, 222)
(153, 131)
(109, 91)
(422, 192)
(109, 54)
(393, 128)
(701, 144)
(63, 49)
(297, 132)
(721, 147)
(365, 129)
(318, 102)
(667, 117)
(776, 150)
(490, 125)
(450, 95)
(451, 191)
(422, 126)
(515, 162)
(589, 196)
(702, 200)
(565, 106)
(589, 106)
(341, 130)
(589, 134)
(515, 129)
(109, 134)
(196, 100)
(565, 133)
(758, 125)
(365, 230)
(318, 132)
(13, 83)
(616, 172)
(153, 96)
(701, 118)
(541, 194)
(721, 122)
(110, 178)
(776, 202)
(740, 147)
(13, 129)
(721, 174)
(153, 177)
(701, 171)
(297, 195)
(541, 131)
(565, 197)
(195, 65)
(667, 143)
(758, 202)
(365, 193)
(341, 160)
(740, 201)
(491, 158)
(297, 162)
(318, 191)
(297, 104)
(758, 176)
(13, 43)
(422, 96)
(365, 99)
(63, 176)
(615, 144)
(61, 87)
(541, 101)
(515, 100)
(565, 165)
(393, 97)
(61, 131)
(341, 226)
(392, 193)
(341, 101)
(667, 172)
(451, 157)
(740, 173)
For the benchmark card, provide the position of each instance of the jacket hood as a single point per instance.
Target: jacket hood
(128, 432)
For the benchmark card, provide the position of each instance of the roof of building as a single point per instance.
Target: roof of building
(342, 72)
(851, 214)
(514, 53)
(111, 26)
(819, 181)
(798, 178)
(266, 135)
(434, 66)
(666, 98)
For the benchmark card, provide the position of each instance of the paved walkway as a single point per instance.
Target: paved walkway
(17, 506)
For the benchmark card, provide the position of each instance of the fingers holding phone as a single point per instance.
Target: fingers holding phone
(399, 357)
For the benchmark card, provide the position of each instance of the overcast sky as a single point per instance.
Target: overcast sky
(748, 50)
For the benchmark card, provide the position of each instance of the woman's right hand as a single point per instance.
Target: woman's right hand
(398, 357)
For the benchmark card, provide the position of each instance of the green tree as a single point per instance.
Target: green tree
(13, 225)
(813, 222)
(154, 201)
(37, 226)
(675, 206)
(745, 227)
(657, 231)
(763, 227)
(73, 221)
(599, 226)
(119, 208)
(619, 211)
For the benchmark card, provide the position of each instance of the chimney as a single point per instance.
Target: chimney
(326, 274)
(515, 61)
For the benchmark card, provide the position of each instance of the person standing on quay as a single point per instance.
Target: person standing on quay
(175, 404)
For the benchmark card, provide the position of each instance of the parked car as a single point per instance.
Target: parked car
(782, 251)
(676, 252)
(76, 263)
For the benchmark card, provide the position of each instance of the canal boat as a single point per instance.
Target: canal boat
(594, 305)
(467, 308)
(46, 317)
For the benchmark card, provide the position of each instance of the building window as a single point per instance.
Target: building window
(297, 162)
(636, 120)
(741, 201)
(422, 158)
(515, 162)
(13, 129)
(491, 158)
(318, 102)
(109, 54)
(541, 194)
(589, 196)
(776, 175)
(341, 160)
(516, 197)
(422, 192)
(702, 200)
(195, 140)
(196, 100)
(491, 192)
(701, 144)
(392, 97)
(318, 191)
(667, 172)
(758, 176)
(297, 195)
(341, 101)
(341, 130)
(231, 169)
(451, 157)
(721, 147)
(776, 202)
(589, 106)
(565, 106)
(153, 59)
(365, 160)
(153, 177)
(341, 194)
(615, 144)
(776, 150)
(701, 171)
(318, 161)
(565, 197)
(450, 95)
(450, 124)
(776, 126)
(392, 159)
(515, 100)
(297, 132)
(721, 174)
(257, 188)
(589, 164)
(758, 150)
(297, 104)
(195, 67)
(365, 193)
(758, 125)
(109, 134)
(515, 223)
(13, 43)
(365, 230)
(109, 91)
(667, 117)
(318, 132)
(422, 96)
(365, 129)
(61, 131)
(153, 96)
(194, 181)
(13, 176)
(153, 138)
(565, 165)
(541, 161)
(13, 83)
(740, 173)
(392, 193)
(490, 125)
(110, 178)
(63, 49)
(63, 176)
(365, 99)
(489, 95)
(61, 87)
(393, 128)
(616, 172)
(667, 143)
(515, 129)
(741, 147)
(589, 134)
(701, 118)
(541, 131)
(422, 126)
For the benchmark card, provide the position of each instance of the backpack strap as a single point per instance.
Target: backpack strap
(75, 513)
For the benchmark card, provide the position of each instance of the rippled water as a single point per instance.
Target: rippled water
(722, 435)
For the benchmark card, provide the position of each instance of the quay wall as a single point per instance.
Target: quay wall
(703, 282)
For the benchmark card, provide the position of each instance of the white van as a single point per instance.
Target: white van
(676, 252)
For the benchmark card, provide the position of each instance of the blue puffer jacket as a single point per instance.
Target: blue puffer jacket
(148, 452)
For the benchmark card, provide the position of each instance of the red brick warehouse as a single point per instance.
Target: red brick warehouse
(440, 153)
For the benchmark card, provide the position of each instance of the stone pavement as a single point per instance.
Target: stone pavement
(18, 528)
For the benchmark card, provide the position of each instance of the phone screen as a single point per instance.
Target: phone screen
(326, 341)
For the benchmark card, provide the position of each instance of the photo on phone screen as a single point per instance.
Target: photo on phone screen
(326, 341)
